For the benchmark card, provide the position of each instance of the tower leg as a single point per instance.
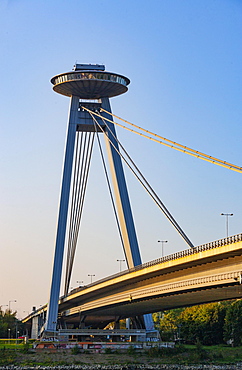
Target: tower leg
(130, 241)
(121, 194)
(63, 211)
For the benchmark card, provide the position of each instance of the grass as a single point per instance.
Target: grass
(184, 355)
(13, 344)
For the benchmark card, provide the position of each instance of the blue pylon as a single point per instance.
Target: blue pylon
(91, 82)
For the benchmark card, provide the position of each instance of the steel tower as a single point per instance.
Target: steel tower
(91, 86)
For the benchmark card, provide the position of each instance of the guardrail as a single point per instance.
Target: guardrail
(187, 252)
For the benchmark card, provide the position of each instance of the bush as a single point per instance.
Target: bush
(200, 351)
(131, 350)
(25, 348)
(75, 350)
(165, 351)
(108, 351)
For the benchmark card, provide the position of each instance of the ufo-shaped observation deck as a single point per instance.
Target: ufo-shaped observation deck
(86, 82)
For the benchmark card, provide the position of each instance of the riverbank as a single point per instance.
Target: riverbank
(125, 367)
(188, 358)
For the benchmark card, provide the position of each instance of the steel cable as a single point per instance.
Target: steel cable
(86, 156)
(176, 146)
(147, 187)
(73, 205)
(110, 191)
(80, 177)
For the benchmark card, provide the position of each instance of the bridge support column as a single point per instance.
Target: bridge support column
(35, 327)
(63, 211)
(131, 248)
(126, 221)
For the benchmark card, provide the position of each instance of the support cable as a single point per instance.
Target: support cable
(86, 166)
(186, 149)
(78, 182)
(73, 201)
(176, 146)
(81, 171)
(82, 182)
(76, 185)
(110, 190)
(145, 184)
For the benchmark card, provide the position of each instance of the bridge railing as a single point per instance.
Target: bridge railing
(187, 252)
(184, 253)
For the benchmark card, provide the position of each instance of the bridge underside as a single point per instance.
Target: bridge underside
(99, 318)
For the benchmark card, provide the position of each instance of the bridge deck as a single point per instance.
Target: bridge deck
(207, 273)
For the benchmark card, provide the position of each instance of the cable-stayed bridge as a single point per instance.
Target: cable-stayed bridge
(200, 274)
(206, 273)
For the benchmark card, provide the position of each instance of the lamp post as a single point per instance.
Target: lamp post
(162, 246)
(9, 334)
(120, 264)
(9, 304)
(227, 221)
(79, 282)
(91, 275)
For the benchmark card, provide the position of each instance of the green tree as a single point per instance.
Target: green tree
(167, 323)
(9, 324)
(203, 323)
(233, 323)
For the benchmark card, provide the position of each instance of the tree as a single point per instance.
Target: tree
(9, 324)
(167, 323)
(233, 323)
(203, 323)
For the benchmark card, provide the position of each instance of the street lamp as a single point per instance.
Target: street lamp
(227, 221)
(9, 334)
(91, 275)
(120, 264)
(162, 246)
(9, 304)
(79, 282)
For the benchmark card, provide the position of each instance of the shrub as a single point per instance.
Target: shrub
(108, 351)
(75, 350)
(131, 350)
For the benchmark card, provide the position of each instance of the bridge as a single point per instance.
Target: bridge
(206, 273)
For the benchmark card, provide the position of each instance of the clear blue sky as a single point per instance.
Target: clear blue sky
(184, 61)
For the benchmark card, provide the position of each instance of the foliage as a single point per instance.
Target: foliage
(168, 323)
(233, 323)
(26, 347)
(131, 350)
(9, 324)
(108, 350)
(165, 351)
(181, 354)
(7, 357)
(208, 324)
(203, 323)
(75, 350)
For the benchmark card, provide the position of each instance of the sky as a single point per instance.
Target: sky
(184, 61)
